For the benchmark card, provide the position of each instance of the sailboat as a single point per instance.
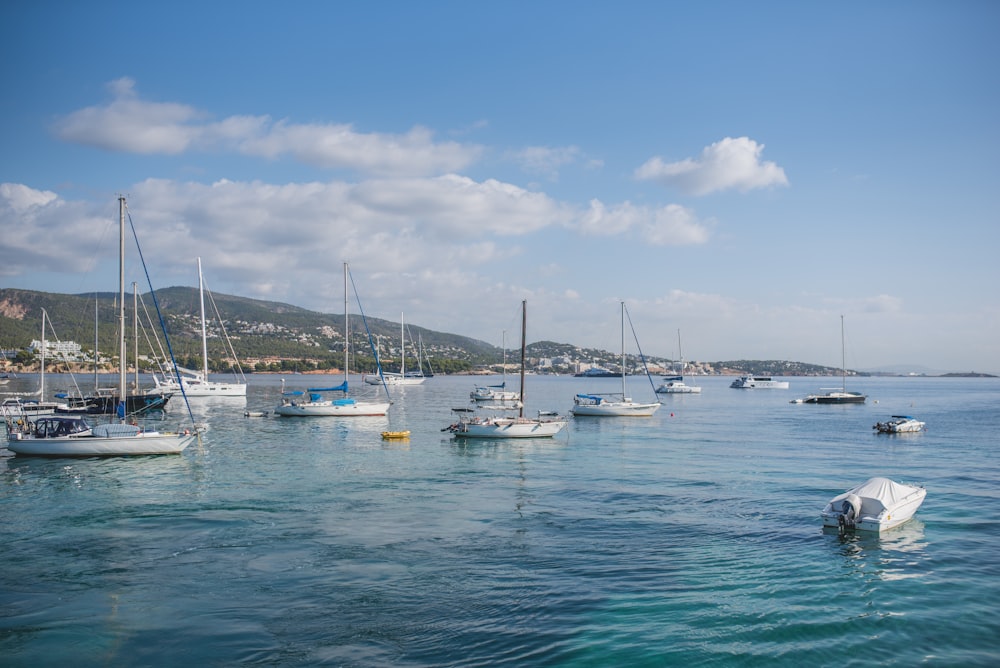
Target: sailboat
(503, 426)
(344, 405)
(105, 400)
(835, 396)
(499, 392)
(26, 408)
(599, 405)
(400, 378)
(196, 383)
(59, 436)
(675, 384)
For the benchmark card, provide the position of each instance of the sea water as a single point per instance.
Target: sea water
(690, 538)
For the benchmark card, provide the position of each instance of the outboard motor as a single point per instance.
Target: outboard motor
(850, 510)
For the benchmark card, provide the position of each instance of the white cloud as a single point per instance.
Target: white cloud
(671, 225)
(22, 199)
(340, 146)
(132, 125)
(544, 160)
(34, 223)
(727, 164)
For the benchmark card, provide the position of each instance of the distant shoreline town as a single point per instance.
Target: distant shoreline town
(268, 337)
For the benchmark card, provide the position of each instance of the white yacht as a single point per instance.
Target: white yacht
(758, 383)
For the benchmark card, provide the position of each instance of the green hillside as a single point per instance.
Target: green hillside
(272, 336)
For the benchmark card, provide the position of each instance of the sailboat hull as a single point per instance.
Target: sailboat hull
(614, 409)
(508, 428)
(332, 408)
(836, 398)
(197, 387)
(150, 443)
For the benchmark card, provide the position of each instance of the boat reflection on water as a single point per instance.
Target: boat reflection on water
(897, 554)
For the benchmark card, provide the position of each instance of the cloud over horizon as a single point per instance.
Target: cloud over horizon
(129, 124)
(726, 164)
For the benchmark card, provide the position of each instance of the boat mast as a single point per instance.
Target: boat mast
(41, 378)
(503, 369)
(402, 348)
(843, 358)
(135, 333)
(121, 305)
(623, 351)
(524, 327)
(204, 336)
(96, 341)
(347, 336)
(679, 351)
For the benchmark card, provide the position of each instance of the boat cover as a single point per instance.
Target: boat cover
(339, 388)
(877, 494)
(113, 429)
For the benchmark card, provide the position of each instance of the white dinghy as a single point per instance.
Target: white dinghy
(876, 505)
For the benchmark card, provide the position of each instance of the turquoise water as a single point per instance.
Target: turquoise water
(690, 538)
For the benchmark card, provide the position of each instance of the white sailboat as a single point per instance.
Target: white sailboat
(400, 378)
(675, 384)
(500, 425)
(26, 408)
(57, 436)
(835, 396)
(497, 393)
(344, 405)
(620, 404)
(196, 383)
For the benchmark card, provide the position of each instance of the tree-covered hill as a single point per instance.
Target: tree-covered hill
(273, 336)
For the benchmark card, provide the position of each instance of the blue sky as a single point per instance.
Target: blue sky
(743, 172)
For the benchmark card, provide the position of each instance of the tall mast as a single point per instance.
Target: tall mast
(121, 303)
(135, 333)
(679, 351)
(503, 369)
(96, 341)
(402, 348)
(843, 357)
(204, 336)
(41, 378)
(524, 328)
(347, 334)
(623, 351)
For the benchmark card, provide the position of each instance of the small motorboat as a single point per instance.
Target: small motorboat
(254, 413)
(395, 435)
(899, 424)
(876, 505)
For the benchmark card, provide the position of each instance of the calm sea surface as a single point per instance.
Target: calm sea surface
(690, 538)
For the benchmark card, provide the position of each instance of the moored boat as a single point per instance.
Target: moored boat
(197, 383)
(499, 424)
(497, 393)
(876, 505)
(749, 382)
(899, 424)
(675, 385)
(59, 436)
(616, 404)
(343, 405)
(833, 395)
